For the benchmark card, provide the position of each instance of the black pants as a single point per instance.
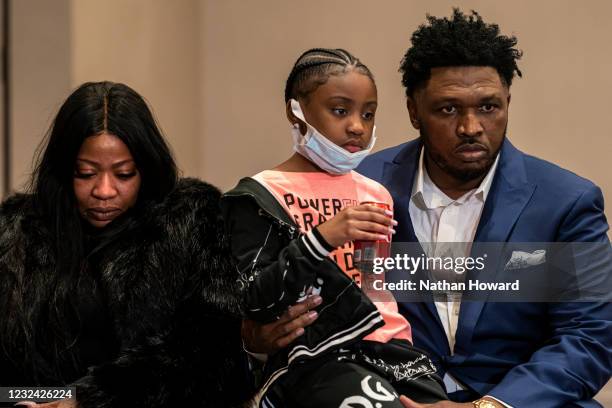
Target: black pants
(354, 379)
(341, 384)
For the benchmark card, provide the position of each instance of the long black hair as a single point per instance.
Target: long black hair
(92, 109)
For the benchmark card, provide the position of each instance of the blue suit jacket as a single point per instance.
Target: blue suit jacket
(525, 354)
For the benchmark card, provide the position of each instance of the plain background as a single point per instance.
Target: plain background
(214, 72)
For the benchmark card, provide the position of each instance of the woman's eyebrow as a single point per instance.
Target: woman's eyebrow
(114, 165)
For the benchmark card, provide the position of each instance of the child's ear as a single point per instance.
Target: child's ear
(293, 119)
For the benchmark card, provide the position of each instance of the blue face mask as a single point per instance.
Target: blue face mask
(322, 151)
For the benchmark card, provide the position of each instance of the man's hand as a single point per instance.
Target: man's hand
(408, 403)
(271, 337)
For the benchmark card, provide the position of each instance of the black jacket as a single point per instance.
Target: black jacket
(278, 265)
(159, 313)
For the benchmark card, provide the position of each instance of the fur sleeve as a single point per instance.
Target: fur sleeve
(197, 362)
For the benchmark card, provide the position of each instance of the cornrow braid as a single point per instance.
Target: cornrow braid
(314, 67)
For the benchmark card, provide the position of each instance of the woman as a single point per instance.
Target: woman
(114, 274)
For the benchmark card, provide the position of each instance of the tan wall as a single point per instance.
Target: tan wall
(558, 110)
(214, 71)
(153, 46)
(40, 75)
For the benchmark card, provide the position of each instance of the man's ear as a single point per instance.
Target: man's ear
(293, 119)
(412, 111)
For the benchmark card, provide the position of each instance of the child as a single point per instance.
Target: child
(291, 230)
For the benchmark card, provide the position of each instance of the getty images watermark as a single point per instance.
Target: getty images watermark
(502, 272)
(457, 265)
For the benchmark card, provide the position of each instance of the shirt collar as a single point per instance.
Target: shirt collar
(485, 185)
(426, 194)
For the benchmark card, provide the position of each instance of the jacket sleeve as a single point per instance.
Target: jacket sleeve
(197, 359)
(576, 362)
(272, 274)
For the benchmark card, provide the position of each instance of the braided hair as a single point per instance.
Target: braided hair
(463, 40)
(314, 67)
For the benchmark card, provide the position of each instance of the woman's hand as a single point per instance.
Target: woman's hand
(65, 403)
(271, 337)
(363, 222)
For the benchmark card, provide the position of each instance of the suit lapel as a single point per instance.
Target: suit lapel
(398, 178)
(509, 194)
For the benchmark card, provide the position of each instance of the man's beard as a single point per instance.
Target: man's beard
(464, 175)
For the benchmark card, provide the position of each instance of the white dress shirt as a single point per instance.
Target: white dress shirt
(438, 219)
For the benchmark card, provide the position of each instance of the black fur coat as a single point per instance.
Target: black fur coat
(159, 318)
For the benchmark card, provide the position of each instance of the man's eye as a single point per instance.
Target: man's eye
(448, 109)
(339, 111)
(487, 107)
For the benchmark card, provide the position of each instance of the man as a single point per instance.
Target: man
(463, 181)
